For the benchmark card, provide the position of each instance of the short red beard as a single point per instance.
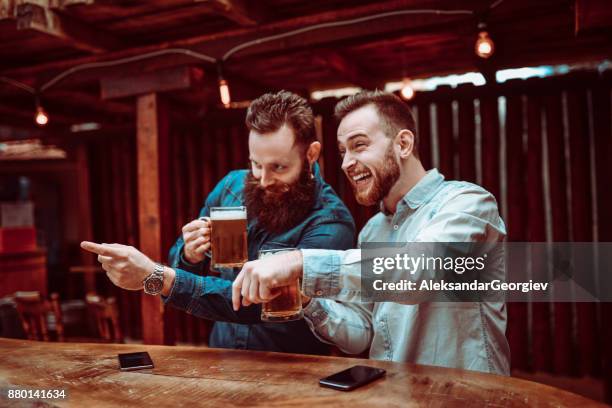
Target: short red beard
(282, 208)
(383, 179)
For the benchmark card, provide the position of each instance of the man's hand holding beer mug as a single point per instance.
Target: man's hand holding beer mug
(196, 236)
(268, 278)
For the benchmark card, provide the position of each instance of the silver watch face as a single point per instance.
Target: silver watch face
(153, 285)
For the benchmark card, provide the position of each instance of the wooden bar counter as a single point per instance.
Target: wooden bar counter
(198, 376)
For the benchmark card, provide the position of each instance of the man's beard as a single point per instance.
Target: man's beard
(384, 178)
(279, 208)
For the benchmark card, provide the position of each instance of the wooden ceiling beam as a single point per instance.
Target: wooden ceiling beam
(241, 12)
(216, 44)
(36, 17)
(93, 102)
(347, 70)
(170, 79)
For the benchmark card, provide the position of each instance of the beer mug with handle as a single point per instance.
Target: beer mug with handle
(228, 237)
(288, 305)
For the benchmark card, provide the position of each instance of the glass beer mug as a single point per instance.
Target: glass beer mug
(228, 236)
(288, 305)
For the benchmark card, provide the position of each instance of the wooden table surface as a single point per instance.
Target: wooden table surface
(199, 376)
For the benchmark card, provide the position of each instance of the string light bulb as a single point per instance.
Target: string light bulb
(41, 118)
(484, 44)
(224, 91)
(407, 90)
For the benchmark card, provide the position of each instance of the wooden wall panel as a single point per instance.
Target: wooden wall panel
(516, 223)
(577, 109)
(424, 134)
(489, 120)
(331, 156)
(563, 347)
(541, 327)
(446, 143)
(113, 175)
(466, 146)
(602, 132)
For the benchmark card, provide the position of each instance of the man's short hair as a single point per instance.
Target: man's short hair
(271, 111)
(395, 113)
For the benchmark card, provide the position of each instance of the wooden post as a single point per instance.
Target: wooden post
(156, 229)
(151, 146)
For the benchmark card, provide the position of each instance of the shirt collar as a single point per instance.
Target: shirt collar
(422, 191)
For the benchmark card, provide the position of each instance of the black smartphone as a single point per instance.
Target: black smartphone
(134, 361)
(352, 378)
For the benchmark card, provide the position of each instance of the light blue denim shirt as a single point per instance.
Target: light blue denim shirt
(468, 335)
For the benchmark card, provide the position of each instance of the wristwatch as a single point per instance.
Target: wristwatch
(154, 283)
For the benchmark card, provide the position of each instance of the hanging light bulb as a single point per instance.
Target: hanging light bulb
(41, 117)
(224, 92)
(484, 44)
(407, 90)
(223, 88)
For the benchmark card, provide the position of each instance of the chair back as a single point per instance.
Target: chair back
(106, 316)
(33, 312)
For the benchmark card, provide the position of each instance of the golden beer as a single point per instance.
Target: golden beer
(288, 305)
(228, 236)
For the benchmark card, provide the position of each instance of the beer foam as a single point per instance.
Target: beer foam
(229, 215)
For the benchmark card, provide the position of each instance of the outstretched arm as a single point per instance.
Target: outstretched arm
(203, 296)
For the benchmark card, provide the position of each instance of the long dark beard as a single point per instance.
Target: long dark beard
(284, 207)
(384, 178)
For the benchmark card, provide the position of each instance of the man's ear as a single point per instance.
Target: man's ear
(405, 139)
(313, 152)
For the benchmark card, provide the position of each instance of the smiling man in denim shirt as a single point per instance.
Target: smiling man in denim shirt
(289, 205)
(378, 142)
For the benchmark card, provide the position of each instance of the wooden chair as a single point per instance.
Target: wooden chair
(33, 312)
(106, 316)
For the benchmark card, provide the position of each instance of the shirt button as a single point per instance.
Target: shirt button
(319, 292)
(396, 227)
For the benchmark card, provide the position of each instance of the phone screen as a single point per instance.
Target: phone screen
(352, 378)
(135, 361)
